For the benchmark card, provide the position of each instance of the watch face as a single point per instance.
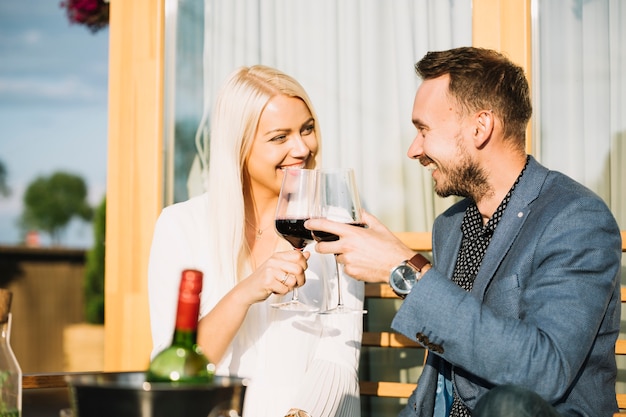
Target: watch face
(402, 279)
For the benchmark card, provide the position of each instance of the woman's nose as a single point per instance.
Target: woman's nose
(300, 147)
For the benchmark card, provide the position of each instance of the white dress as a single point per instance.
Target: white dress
(292, 359)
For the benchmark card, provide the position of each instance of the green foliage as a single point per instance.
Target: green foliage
(5, 385)
(51, 202)
(5, 191)
(94, 269)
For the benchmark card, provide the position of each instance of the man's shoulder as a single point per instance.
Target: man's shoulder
(560, 190)
(553, 185)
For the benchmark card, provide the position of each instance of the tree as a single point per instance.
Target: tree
(4, 187)
(94, 269)
(51, 202)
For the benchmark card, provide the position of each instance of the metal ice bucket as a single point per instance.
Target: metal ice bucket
(127, 394)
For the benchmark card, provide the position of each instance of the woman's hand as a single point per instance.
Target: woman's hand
(278, 275)
(281, 273)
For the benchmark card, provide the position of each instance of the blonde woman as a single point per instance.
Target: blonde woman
(263, 121)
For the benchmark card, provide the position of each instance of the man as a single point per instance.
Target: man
(523, 289)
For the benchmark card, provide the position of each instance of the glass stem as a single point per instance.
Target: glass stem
(339, 299)
(294, 293)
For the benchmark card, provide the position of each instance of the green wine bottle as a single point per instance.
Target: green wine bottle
(183, 361)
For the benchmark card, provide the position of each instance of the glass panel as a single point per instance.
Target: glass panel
(580, 94)
(53, 113)
(580, 100)
(183, 92)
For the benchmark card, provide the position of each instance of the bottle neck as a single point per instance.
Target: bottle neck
(188, 309)
(184, 338)
(186, 328)
(5, 330)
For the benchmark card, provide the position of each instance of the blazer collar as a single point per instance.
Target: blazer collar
(514, 217)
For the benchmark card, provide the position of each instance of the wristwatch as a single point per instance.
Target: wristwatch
(405, 275)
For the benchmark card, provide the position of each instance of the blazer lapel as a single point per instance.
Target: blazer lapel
(513, 219)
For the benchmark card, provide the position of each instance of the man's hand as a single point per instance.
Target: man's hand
(369, 253)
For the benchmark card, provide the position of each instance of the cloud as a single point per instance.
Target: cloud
(28, 38)
(47, 61)
(44, 91)
(53, 113)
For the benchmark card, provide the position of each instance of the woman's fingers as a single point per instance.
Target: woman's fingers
(283, 272)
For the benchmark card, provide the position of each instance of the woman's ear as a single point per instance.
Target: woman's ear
(483, 127)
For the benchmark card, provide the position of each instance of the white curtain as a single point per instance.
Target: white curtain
(355, 58)
(580, 99)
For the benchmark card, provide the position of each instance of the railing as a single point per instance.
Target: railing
(48, 295)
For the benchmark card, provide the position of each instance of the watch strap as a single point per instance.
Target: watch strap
(418, 261)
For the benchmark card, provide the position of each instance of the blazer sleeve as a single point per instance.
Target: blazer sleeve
(539, 318)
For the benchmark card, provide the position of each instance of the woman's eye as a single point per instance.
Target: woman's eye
(307, 130)
(280, 138)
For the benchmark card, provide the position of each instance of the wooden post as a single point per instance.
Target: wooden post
(134, 181)
(506, 26)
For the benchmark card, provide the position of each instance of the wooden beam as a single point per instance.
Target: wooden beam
(418, 241)
(386, 389)
(505, 26)
(134, 182)
(388, 339)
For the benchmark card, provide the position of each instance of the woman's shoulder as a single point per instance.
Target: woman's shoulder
(195, 207)
(199, 202)
(188, 215)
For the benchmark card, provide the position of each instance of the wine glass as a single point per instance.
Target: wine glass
(337, 199)
(295, 202)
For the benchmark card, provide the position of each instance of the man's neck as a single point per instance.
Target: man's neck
(501, 180)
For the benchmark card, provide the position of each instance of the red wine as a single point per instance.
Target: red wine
(294, 232)
(321, 236)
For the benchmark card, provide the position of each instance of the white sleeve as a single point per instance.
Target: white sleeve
(167, 260)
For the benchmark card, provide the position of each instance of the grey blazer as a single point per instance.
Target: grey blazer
(544, 312)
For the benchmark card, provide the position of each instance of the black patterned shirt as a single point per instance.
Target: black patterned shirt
(476, 238)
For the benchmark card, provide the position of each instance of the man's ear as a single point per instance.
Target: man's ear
(484, 122)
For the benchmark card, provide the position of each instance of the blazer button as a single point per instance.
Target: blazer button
(437, 348)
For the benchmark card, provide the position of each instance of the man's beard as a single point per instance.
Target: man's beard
(465, 179)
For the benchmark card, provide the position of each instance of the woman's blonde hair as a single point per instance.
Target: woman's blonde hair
(234, 121)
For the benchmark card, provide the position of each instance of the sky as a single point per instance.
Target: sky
(53, 107)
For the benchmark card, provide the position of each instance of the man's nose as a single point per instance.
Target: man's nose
(416, 148)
